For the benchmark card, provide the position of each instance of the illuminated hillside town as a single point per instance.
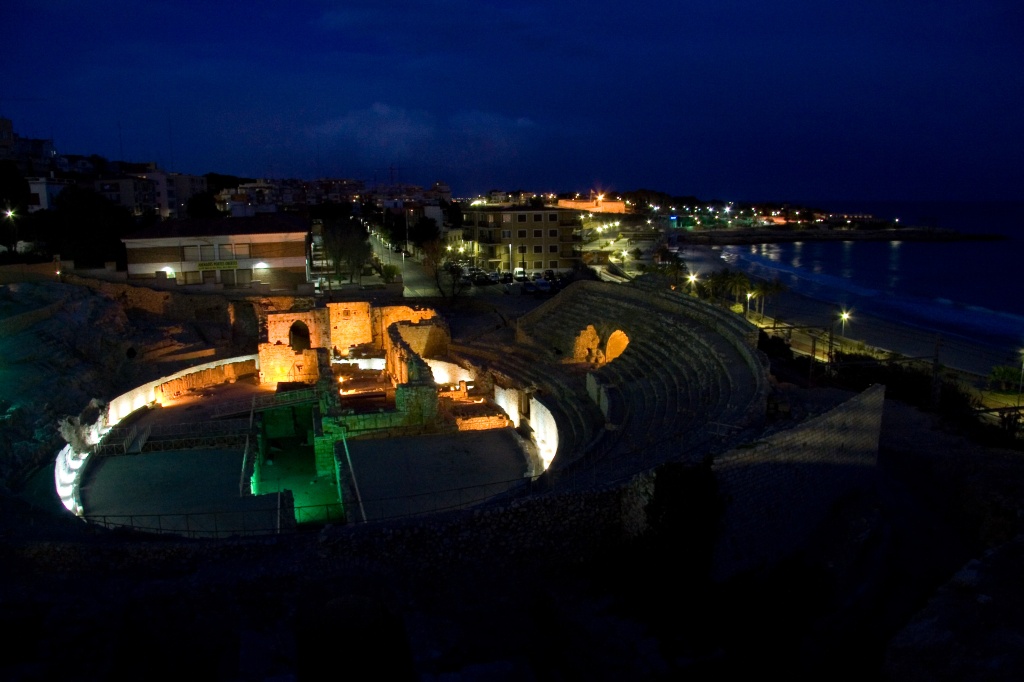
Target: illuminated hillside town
(360, 380)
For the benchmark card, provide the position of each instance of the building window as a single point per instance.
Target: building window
(506, 234)
(537, 248)
(552, 217)
(552, 264)
(537, 234)
(553, 233)
(520, 217)
(241, 250)
(521, 234)
(190, 253)
(538, 264)
(537, 217)
(552, 248)
(206, 252)
(193, 277)
(243, 278)
(506, 217)
(521, 249)
(227, 278)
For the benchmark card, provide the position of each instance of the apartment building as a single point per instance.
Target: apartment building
(233, 252)
(137, 194)
(173, 190)
(534, 239)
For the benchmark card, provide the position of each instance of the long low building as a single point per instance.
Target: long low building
(235, 252)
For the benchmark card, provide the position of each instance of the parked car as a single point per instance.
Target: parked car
(481, 279)
(542, 286)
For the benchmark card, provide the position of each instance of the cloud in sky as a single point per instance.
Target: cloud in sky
(892, 100)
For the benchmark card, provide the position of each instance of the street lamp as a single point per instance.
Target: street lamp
(10, 214)
(750, 294)
(844, 316)
(693, 283)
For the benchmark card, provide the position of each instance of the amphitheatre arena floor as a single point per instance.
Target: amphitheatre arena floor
(196, 491)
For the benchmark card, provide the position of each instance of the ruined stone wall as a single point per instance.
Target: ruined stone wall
(508, 400)
(482, 423)
(418, 402)
(215, 372)
(351, 325)
(385, 316)
(316, 320)
(545, 431)
(449, 373)
(388, 424)
(279, 362)
(427, 339)
(456, 392)
(33, 272)
(211, 376)
(170, 304)
(402, 363)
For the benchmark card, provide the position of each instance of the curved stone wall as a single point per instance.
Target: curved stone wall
(71, 465)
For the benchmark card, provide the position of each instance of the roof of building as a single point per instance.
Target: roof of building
(516, 208)
(264, 223)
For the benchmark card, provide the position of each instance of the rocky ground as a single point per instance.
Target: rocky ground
(914, 579)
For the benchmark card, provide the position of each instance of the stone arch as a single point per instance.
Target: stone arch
(298, 336)
(616, 344)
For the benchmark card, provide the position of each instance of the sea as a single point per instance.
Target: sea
(966, 290)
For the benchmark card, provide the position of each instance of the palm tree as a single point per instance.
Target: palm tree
(765, 289)
(716, 283)
(672, 265)
(737, 284)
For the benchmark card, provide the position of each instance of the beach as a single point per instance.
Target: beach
(896, 336)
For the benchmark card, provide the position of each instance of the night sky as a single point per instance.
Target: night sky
(731, 99)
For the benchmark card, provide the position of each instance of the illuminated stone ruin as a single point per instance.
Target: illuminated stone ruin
(380, 364)
(589, 348)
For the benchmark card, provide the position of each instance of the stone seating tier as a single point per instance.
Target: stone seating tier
(687, 363)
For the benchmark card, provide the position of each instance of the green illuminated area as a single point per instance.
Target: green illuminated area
(286, 461)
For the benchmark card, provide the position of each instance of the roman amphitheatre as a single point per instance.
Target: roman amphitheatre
(592, 485)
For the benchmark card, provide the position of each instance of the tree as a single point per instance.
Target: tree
(348, 244)
(203, 205)
(389, 273)
(765, 289)
(672, 266)
(447, 276)
(89, 227)
(737, 284)
(423, 231)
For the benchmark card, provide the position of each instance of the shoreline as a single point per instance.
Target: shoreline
(769, 236)
(893, 335)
